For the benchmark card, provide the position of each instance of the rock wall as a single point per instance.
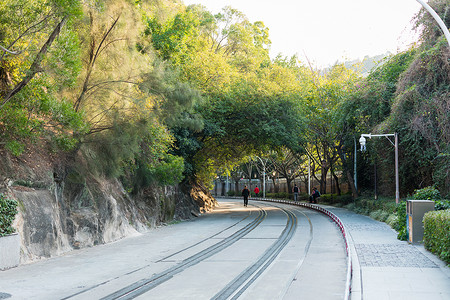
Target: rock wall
(60, 211)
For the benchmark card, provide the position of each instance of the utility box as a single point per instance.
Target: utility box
(415, 210)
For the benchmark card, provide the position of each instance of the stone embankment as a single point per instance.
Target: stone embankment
(61, 210)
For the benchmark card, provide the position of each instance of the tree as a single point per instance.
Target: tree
(288, 164)
(33, 62)
(326, 135)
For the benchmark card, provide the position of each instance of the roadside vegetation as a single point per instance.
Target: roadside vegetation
(8, 211)
(436, 223)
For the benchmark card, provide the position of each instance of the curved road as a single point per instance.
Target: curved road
(263, 251)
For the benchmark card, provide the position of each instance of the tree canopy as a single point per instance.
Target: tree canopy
(151, 91)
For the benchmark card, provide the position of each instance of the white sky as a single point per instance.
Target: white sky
(329, 30)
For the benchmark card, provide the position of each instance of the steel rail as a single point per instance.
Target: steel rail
(335, 219)
(144, 285)
(160, 260)
(240, 283)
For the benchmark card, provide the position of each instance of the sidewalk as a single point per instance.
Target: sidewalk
(386, 268)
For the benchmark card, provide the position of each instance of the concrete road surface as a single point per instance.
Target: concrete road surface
(263, 251)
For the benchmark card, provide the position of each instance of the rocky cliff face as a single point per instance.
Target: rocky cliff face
(59, 210)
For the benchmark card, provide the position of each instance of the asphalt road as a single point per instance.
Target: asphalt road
(263, 251)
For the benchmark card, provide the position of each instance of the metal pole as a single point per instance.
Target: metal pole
(226, 186)
(264, 181)
(354, 172)
(438, 20)
(397, 193)
(395, 144)
(375, 178)
(309, 175)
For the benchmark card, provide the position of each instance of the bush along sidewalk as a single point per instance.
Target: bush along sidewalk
(8, 211)
(385, 210)
(436, 237)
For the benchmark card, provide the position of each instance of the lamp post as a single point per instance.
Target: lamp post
(438, 20)
(362, 141)
(354, 167)
(309, 175)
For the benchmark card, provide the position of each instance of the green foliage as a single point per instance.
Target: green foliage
(429, 31)
(232, 193)
(400, 226)
(136, 152)
(15, 148)
(442, 205)
(176, 108)
(371, 205)
(379, 215)
(402, 234)
(280, 195)
(107, 151)
(169, 171)
(335, 199)
(374, 96)
(427, 193)
(437, 233)
(174, 37)
(384, 210)
(64, 60)
(146, 160)
(8, 211)
(36, 115)
(216, 98)
(38, 110)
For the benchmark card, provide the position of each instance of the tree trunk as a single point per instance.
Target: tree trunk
(336, 180)
(323, 181)
(288, 182)
(275, 186)
(350, 178)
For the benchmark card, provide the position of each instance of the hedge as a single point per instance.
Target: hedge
(436, 235)
(8, 211)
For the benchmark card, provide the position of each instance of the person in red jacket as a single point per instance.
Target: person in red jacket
(256, 190)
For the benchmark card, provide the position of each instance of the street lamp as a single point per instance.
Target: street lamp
(362, 141)
(438, 20)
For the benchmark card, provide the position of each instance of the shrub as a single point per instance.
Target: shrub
(335, 199)
(436, 236)
(392, 220)
(303, 197)
(231, 193)
(8, 211)
(400, 225)
(368, 206)
(427, 193)
(281, 195)
(379, 215)
(442, 205)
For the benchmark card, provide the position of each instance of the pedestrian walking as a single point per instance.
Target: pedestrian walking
(256, 191)
(295, 190)
(245, 194)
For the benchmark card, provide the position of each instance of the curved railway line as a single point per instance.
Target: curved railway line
(139, 288)
(237, 286)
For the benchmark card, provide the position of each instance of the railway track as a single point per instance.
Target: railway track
(135, 284)
(235, 288)
(139, 288)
